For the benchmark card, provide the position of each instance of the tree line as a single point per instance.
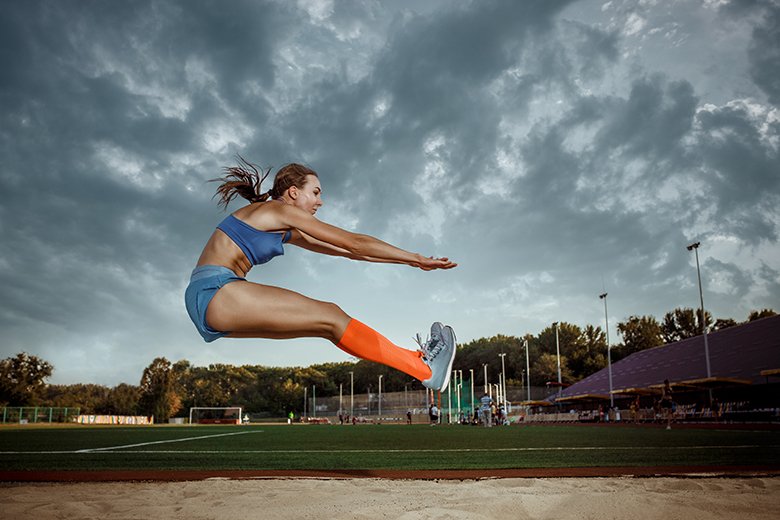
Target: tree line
(167, 389)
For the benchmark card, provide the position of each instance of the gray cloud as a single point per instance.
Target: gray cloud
(543, 145)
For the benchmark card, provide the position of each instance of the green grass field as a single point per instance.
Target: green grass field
(417, 447)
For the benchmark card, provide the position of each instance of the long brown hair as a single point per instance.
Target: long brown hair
(246, 180)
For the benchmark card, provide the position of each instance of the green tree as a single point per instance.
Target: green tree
(638, 333)
(158, 391)
(485, 351)
(724, 323)
(588, 353)
(89, 398)
(683, 323)
(763, 313)
(546, 369)
(23, 379)
(123, 399)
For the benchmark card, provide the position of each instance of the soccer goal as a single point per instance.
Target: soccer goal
(215, 415)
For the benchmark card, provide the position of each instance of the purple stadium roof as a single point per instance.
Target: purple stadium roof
(740, 352)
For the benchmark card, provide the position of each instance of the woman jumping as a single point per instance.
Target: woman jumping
(221, 302)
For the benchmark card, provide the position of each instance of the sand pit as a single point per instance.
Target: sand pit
(515, 498)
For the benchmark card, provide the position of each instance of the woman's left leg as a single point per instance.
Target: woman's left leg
(252, 310)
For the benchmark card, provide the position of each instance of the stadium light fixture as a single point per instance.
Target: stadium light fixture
(603, 296)
(695, 248)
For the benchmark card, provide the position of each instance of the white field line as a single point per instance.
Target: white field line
(442, 450)
(112, 448)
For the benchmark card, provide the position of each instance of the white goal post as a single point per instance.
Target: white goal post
(215, 415)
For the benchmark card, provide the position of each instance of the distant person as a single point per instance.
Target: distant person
(634, 408)
(221, 302)
(667, 403)
(408, 417)
(434, 414)
(715, 407)
(486, 404)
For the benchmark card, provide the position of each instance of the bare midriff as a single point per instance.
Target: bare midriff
(221, 250)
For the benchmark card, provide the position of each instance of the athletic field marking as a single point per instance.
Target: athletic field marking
(443, 450)
(111, 448)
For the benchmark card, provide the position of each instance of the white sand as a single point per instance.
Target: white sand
(553, 498)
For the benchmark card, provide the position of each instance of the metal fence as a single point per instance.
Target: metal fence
(458, 399)
(39, 414)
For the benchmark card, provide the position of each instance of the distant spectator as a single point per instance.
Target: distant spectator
(667, 403)
(715, 406)
(408, 417)
(634, 407)
(486, 404)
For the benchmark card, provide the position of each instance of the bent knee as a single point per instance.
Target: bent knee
(335, 322)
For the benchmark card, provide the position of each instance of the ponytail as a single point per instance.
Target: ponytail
(244, 180)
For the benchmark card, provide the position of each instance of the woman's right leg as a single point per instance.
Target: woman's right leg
(250, 310)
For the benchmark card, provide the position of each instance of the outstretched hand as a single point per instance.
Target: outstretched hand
(431, 263)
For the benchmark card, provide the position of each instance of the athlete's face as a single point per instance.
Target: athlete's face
(309, 195)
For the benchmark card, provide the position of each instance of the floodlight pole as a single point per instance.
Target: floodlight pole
(484, 365)
(609, 351)
(379, 410)
(471, 372)
(449, 404)
(558, 352)
(314, 400)
(503, 378)
(527, 368)
(458, 387)
(695, 248)
(305, 400)
(351, 394)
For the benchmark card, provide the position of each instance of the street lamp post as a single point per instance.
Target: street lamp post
(527, 368)
(695, 248)
(609, 351)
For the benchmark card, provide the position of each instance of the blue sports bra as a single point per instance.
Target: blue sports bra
(258, 246)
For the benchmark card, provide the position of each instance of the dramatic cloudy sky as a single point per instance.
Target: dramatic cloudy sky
(553, 149)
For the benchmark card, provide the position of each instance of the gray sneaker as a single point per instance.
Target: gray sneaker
(438, 354)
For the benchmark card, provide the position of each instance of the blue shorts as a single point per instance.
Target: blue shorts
(205, 281)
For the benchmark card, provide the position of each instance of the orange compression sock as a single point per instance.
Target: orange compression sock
(364, 342)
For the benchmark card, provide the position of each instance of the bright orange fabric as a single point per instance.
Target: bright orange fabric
(362, 341)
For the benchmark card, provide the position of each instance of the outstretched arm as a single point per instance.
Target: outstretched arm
(315, 235)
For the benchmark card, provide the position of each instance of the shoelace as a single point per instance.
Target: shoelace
(431, 347)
